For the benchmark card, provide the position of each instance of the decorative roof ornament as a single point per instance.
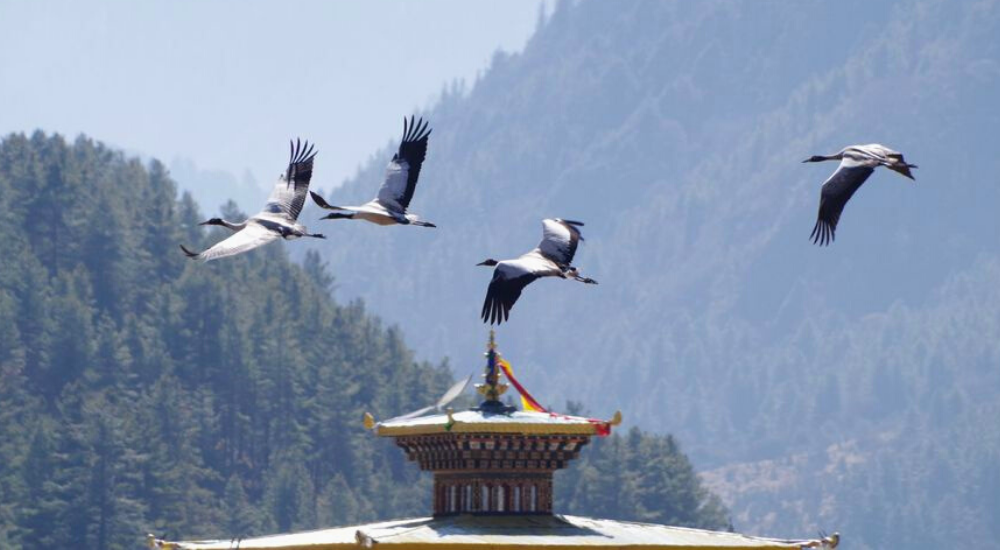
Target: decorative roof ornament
(826, 542)
(492, 388)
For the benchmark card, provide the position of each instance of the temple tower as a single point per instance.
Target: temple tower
(493, 459)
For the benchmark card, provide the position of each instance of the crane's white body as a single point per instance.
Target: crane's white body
(376, 212)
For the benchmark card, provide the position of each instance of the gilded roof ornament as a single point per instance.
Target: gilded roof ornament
(492, 388)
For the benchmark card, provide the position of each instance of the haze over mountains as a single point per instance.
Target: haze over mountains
(214, 188)
(853, 387)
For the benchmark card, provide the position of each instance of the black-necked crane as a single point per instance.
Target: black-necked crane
(278, 219)
(551, 258)
(389, 207)
(857, 162)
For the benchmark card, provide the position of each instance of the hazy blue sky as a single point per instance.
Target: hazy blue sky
(226, 83)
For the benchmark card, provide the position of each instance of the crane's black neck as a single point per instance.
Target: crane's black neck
(224, 223)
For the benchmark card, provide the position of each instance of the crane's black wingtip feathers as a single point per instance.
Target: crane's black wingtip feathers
(415, 129)
(319, 200)
(188, 253)
(489, 313)
(823, 233)
(300, 152)
(494, 310)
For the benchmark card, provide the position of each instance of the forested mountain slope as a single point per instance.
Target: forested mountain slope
(145, 393)
(675, 130)
(141, 392)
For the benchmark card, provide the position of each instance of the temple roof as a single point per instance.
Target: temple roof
(492, 416)
(498, 533)
(478, 421)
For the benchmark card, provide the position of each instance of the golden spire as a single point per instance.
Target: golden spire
(492, 388)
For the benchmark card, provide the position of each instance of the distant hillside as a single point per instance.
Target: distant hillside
(675, 130)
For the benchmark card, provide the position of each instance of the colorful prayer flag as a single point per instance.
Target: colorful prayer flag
(528, 402)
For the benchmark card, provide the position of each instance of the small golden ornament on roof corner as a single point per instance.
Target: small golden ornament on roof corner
(363, 539)
(451, 419)
(616, 419)
(369, 421)
(825, 542)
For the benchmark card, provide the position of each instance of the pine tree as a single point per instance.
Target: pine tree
(241, 517)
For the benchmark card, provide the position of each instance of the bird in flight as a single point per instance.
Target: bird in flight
(857, 162)
(389, 207)
(279, 217)
(551, 258)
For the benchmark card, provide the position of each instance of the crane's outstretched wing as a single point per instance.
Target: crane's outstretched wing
(404, 168)
(504, 290)
(289, 194)
(837, 190)
(559, 240)
(248, 238)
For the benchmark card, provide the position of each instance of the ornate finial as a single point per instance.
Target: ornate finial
(369, 421)
(825, 542)
(492, 388)
(616, 419)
